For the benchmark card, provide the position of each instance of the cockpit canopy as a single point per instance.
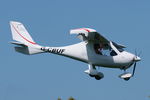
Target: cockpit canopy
(100, 43)
(105, 49)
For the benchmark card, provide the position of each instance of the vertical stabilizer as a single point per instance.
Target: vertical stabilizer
(25, 43)
(20, 34)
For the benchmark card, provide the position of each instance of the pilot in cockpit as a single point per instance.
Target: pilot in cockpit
(98, 48)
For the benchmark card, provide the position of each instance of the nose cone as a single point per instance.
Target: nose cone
(136, 58)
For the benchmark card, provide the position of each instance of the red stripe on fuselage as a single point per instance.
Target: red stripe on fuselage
(23, 36)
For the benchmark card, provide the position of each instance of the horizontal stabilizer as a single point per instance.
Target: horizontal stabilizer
(27, 50)
(18, 43)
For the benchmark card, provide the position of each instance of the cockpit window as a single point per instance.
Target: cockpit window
(105, 50)
(121, 50)
(113, 53)
(99, 49)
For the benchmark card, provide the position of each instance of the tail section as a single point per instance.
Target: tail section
(25, 43)
(19, 33)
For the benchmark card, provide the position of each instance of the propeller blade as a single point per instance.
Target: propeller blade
(135, 52)
(139, 53)
(134, 69)
(137, 58)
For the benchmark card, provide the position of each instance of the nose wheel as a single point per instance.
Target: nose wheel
(126, 79)
(126, 76)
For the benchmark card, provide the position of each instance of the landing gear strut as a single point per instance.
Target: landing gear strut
(94, 73)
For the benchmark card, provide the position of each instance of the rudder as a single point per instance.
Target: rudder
(25, 43)
(20, 34)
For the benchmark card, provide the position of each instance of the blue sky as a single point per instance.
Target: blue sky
(48, 76)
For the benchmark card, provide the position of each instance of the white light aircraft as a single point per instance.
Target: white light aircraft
(95, 50)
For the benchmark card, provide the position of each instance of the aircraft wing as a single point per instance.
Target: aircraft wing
(88, 34)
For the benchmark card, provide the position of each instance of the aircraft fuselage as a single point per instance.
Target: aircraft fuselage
(84, 52)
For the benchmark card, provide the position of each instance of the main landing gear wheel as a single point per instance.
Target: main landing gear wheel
(92, 75)
(92, 72)
(98, 77)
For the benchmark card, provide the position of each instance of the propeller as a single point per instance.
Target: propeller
(136, 59)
